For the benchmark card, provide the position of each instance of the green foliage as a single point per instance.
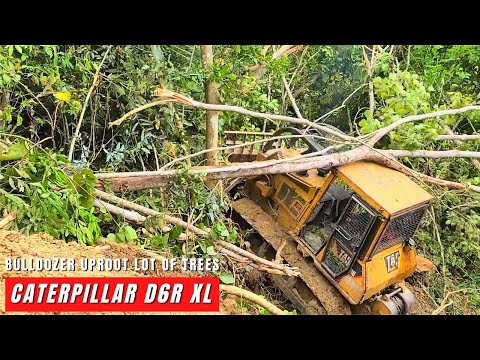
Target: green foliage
(46, 199)
(400, 94)
(125, 234)
(227, 278)
(15, 151)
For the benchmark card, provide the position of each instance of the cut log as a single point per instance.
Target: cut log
(137, 183)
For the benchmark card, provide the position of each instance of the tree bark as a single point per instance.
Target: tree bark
(142, 209)
(129, 215)
(212, 97)
(137, 183)
(454, 137)
(248, 295)
(457, 139)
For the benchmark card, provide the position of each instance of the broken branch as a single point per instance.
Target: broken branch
(248, 295)
(173, 96)
(459, 137)
(290, 271)
(142, 209)
(8, 219)
(82, 114)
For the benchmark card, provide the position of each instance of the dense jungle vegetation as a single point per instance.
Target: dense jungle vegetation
(46, 89)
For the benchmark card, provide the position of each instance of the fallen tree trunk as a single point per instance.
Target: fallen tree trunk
(248, 295)
(142, 209)
(458, 141)
(170, 219)
(132, 216)
(385, 157)
(136, 183)
(454, 137)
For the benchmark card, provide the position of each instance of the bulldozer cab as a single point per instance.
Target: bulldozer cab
(356, 221)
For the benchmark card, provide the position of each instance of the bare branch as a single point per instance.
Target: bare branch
(377, 135)
(136, 110)
(450, 133)
(80, 119)
(248, 295)
(173, 96)
(283, 49)
(432, 153)
(292, 99)
(459, 137)
(290, 271)
(142, 209)
(129, 215)
(132, 216)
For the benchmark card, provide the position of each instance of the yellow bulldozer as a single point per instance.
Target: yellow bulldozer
(349, 230)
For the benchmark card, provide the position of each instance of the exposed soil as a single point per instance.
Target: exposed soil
(14, 244)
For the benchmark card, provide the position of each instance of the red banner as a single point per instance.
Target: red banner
(93, 294)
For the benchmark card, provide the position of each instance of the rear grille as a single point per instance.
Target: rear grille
(400, 229)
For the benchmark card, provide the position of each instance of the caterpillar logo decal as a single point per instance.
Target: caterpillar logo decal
(344, 256)
(391, 261)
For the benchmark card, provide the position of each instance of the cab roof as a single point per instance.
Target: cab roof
(389, 189)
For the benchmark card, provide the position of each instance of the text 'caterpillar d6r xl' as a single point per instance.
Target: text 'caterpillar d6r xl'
(349, 230)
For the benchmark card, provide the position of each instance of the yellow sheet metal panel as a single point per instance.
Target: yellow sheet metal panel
(390, 189)
(389, 267)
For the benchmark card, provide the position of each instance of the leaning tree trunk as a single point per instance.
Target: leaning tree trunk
(212, 98)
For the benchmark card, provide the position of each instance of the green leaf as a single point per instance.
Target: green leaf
(263, 311)
(159, 240)
(16, 151)
(226, 278)
(63, 96)
(157, 53)
(120, 238)
(112, 237)
(211, 250)
(19, 48)
(11, 183)
(6, 78)
(119, 89)
(130, 233)
(175, 232)
(48, 50)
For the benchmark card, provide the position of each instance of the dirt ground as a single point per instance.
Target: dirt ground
(14, 244)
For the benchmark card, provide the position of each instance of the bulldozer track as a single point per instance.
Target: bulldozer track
(331, 300)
